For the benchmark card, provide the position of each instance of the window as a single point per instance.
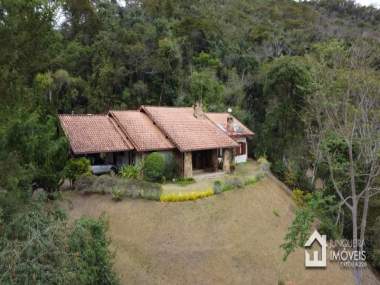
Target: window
(241, 149)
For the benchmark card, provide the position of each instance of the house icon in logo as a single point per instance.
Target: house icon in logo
(316, 261)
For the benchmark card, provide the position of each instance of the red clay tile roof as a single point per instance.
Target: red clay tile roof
(141, 131)
(187, 132)
(93, 134)
(220, 119)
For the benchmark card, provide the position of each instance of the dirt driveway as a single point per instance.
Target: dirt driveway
(231, 238)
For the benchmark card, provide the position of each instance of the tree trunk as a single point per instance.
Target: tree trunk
(357, 270)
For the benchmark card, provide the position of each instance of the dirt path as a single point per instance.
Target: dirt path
(231, 238)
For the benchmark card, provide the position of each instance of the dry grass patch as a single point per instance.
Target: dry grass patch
(231, 238)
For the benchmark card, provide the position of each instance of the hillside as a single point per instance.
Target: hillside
(232, 238)
(304, 76)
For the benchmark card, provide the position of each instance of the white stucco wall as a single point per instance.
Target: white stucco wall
(242, 158)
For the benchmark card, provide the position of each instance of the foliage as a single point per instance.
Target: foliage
(37, 243)
(118, 187)
(317, 208)
(288, 82)
(171, 167)
(131, 171)
(92, 257)
(40, 154)
(252, 180)
(117, 194)
(266, 60)
(218, 187)
(154, 166)
(233, 183)
(264, 164)
(185, 181)
(76, 167)
(299, 231)
(298, 197)
(186, 196)
(375, 246)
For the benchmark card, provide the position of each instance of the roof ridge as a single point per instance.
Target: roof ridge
(149, 115)
(123, 111)
(81, 115)
(124, 131)
(120, 132)
(172, 107)
(218, 113)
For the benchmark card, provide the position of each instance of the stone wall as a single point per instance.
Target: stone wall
(214, 159)
(187, 164)
(227, 159)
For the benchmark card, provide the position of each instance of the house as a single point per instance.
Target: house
(198, 141)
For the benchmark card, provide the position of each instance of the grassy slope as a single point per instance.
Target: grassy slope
(232, 238)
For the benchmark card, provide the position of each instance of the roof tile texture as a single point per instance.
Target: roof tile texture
(141, 131)
(93, 134)
(220, 119)
(187, 132)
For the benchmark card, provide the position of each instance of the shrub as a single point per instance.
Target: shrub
(131, 171)
(299, 197)
(77, 167)
(92, 258)
(38, 246)
(185, 181)
(131, 188)
(230, 184)
(103, 184)
(218, 187)
(279, 169)
(117, 194)
(171, 167)
(291, 175)
(264, 164)
(234, 183)
(85, 182)
(154, 167)
(142, 189)
(186, 196)
(252, 180)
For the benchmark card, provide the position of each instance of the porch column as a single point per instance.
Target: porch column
(187, 164)
(214, 159)
(227, 158)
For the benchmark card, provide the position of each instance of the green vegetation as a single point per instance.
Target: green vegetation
(117, 194)
(235, 183)
(131, 171)
(288, 69)
(92, 258)
(300, 197)
(320, 208)
(38, 244)
(154, 167)
(118, 187)
(77, 167)
(186, 196)
(185, 181)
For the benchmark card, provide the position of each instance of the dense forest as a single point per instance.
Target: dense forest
(284, 67)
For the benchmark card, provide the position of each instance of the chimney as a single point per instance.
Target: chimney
(198, 110)
(230, 124)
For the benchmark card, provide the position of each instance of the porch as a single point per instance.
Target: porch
(202, 162)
